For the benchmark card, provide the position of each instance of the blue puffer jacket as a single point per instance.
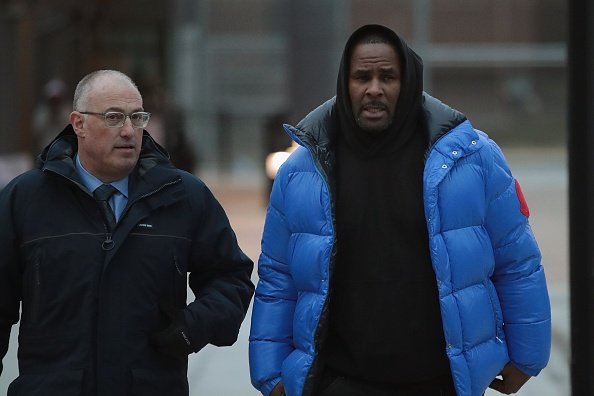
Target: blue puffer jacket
(492, 289)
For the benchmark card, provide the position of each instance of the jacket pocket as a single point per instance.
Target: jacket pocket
(63, 383)
(147, 382)
(497, 313)
(179, 282)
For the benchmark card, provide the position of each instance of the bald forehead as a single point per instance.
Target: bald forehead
(110, 81)
(115, 94)
(100, 80)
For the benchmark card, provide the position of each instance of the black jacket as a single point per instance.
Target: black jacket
(88, 312)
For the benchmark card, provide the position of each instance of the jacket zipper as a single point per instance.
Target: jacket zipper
(322, 163)
(108, 243)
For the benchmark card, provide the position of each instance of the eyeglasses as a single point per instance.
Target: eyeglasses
(117, 119)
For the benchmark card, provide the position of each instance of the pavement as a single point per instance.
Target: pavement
(543, 176)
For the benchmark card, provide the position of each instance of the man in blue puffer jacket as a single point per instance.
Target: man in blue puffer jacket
(397, 257)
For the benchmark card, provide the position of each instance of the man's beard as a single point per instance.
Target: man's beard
(377, 105)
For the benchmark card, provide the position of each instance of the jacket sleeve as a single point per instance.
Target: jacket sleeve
(10, 279)
(518, 277)
(220, 277)
(271, 336)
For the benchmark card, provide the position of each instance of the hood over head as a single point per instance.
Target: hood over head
(406, 115)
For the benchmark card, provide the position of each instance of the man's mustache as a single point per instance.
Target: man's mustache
(374, 104)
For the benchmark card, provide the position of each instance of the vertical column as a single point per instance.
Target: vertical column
(581, 194)
(422, 38)
(24, 58)
(316, 34)
(188, 76)
(8, 70)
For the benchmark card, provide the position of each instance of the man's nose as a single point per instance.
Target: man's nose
(127, 128)
(375, 87)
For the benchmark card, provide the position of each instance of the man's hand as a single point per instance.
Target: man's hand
(513, 380)
(175, 339)
(278, 390)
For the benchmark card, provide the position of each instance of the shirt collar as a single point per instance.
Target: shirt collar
(91, 182)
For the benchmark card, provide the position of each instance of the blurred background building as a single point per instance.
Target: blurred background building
(233, 70)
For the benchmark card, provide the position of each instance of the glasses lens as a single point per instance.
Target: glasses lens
(140, 119)
(114, 118)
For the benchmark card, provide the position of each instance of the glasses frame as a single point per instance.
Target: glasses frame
(129, 115)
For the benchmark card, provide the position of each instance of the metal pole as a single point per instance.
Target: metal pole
(316, 35)
(24, 76)
(581, 194)
(189, 74)
(422, 38)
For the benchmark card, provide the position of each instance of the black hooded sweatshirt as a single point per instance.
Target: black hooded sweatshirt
(384, 320)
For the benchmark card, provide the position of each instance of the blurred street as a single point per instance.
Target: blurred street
(543, 176)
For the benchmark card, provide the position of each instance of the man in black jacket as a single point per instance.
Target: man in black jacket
(96, 244)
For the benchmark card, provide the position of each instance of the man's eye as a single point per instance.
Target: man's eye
(113, 116)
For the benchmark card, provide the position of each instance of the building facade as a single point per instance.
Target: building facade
(234, 70)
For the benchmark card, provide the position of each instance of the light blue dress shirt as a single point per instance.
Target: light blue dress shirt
(118, 200)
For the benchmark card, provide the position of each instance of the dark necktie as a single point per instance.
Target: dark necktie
(102, 195)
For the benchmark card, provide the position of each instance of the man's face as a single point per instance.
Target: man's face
(374, 85)
(108, 153)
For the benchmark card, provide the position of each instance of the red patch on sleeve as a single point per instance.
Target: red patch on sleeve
(523, 205)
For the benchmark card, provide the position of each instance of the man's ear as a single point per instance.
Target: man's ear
(77, 120)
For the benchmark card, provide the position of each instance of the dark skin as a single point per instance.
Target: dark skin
(278, 390)
(512, 380)
(374, 85)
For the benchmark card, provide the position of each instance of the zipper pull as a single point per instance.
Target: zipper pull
(108, 243)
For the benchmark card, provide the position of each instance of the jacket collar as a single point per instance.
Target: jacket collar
(440, 117)
(153, 171)
(319, 127)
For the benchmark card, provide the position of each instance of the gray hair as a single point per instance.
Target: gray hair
(81, 93)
